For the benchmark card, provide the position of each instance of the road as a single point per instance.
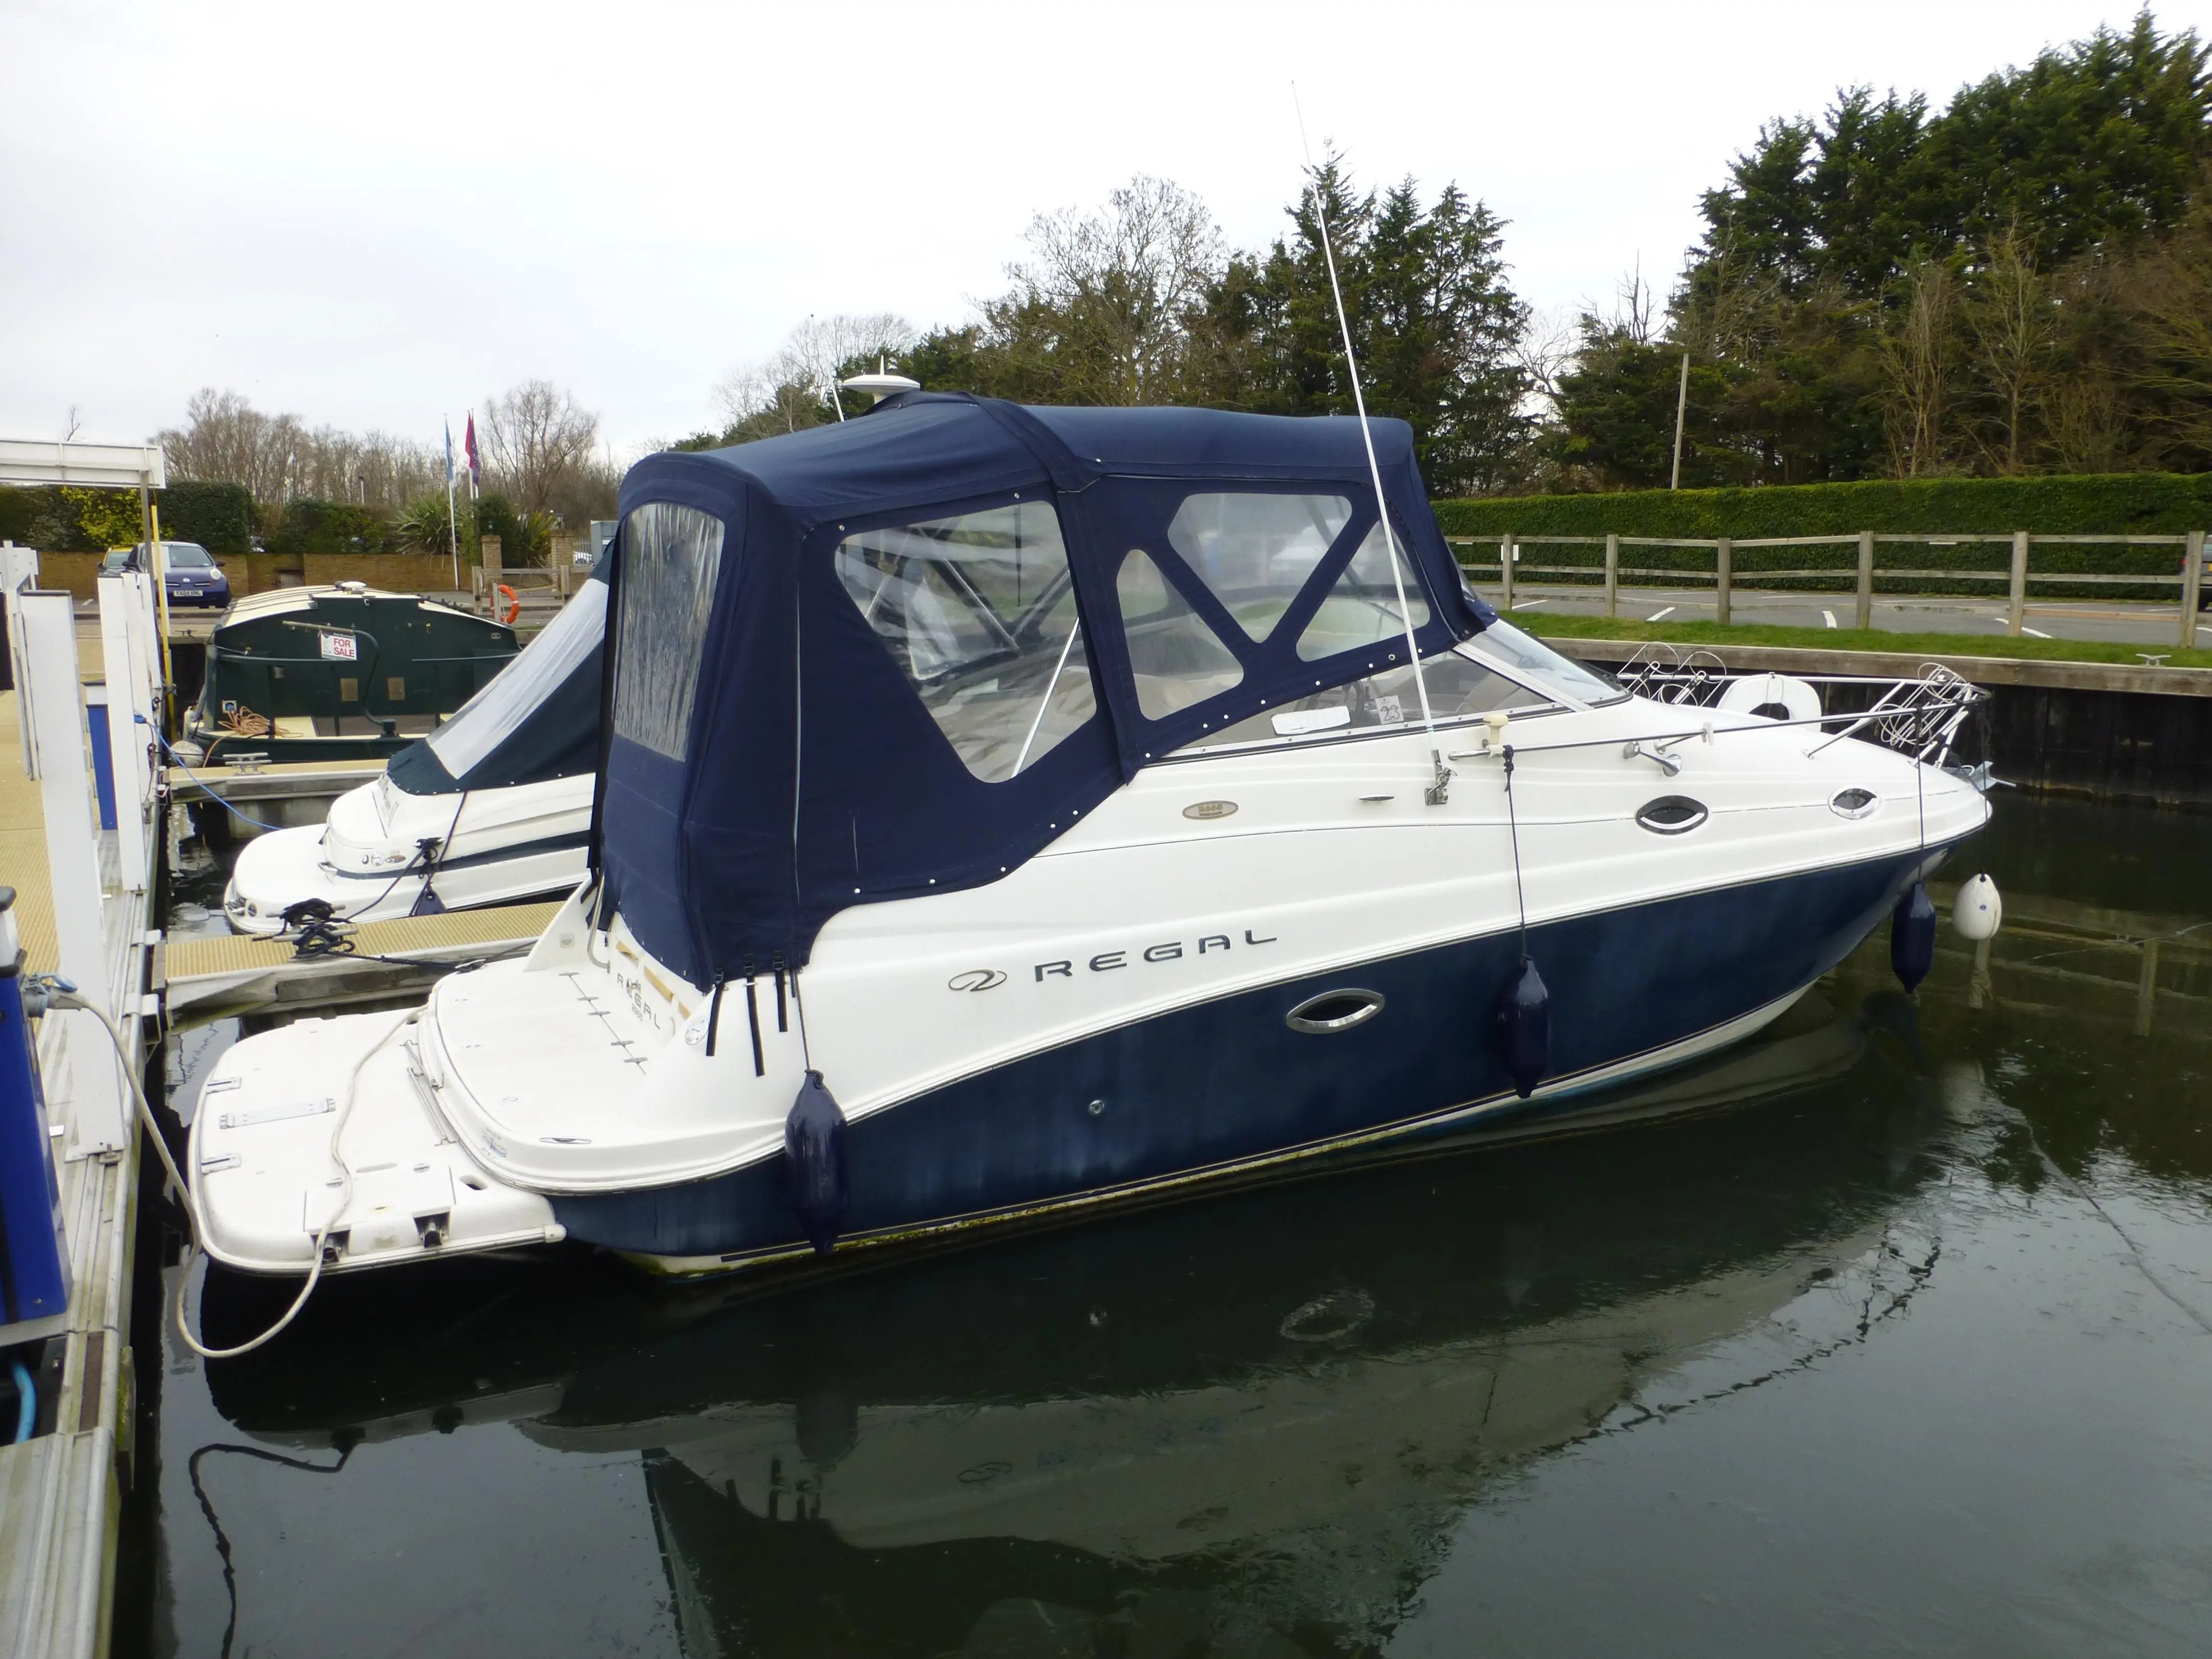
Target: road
(2125, 622)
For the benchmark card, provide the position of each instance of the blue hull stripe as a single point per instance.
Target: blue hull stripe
(1220, 1083)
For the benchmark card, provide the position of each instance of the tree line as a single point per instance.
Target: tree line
(1143, 302)
(321, 489)
(2019, 282)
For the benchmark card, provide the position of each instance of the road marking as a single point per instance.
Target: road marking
(1655, 615)
(1529, 605)
(1829, 617)
(2033, 633)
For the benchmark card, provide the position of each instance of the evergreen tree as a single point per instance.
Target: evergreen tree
(1433, 319)
(1886, 290)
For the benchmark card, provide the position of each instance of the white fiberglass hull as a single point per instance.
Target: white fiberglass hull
(367, 861)
(1118, 1016)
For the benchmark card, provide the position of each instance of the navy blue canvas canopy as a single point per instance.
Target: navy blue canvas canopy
(538, 719)
(848, 666)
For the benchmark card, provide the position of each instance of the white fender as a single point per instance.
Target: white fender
(1756, 690)
(1977, 912)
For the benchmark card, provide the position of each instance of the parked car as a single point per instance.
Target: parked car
(193, 576)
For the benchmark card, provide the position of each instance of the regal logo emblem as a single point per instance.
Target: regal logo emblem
(975, 979)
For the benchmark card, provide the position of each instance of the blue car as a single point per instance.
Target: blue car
(193, 576)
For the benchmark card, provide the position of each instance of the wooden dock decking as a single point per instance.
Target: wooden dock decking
(211, 977)
(281, 781)
(23, 848)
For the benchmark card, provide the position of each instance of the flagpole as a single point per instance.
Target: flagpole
(452, 525)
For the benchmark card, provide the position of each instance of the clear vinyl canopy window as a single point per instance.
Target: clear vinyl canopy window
(1363, 608)
(490, 718)
(1175, 658)
(979, 612)
(1254, 551)
(670, 556)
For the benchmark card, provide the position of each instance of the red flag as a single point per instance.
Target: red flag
(469, 448)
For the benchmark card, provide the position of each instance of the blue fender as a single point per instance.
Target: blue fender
(1912, 937)
(814, 1163)
(1524, 1029)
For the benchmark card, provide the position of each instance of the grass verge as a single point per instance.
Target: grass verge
(1859, 639)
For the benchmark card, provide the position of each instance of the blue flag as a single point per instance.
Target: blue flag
(449, 453)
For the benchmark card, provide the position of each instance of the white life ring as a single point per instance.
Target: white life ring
(1757, 691)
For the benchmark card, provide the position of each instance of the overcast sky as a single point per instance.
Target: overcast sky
(371, 215)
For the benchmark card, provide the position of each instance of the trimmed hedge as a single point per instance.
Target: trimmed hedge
(43, 518)
(2100, 504)
(218, 516)
(313, 527)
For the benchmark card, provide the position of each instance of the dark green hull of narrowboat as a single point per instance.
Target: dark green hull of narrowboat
(345, 673)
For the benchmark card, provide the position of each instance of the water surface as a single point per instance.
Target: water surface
(1904, 1345)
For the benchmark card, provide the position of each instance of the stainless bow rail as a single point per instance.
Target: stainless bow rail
(1918, 717)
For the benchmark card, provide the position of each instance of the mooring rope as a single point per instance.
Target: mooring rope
(1513, 829)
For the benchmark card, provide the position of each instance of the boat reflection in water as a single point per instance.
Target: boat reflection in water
(1251, 1421)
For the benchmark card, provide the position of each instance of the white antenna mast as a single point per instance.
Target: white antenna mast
(1437, 789)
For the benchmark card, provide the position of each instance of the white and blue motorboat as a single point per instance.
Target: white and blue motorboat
(1005, 811)
(493, 807)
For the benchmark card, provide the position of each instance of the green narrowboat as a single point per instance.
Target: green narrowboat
(339, 672)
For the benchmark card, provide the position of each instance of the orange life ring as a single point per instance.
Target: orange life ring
(513, 602)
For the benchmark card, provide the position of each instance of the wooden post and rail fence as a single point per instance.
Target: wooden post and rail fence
(553, 579)
(2018, 573)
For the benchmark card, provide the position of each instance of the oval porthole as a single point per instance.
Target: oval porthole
(1334, 1011)
(1672, 815)
(1853, 802)
(1203, 810)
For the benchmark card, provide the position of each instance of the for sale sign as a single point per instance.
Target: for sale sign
(340, 647)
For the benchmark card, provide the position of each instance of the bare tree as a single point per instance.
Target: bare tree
(820, 348)
(2014, 327)
(1549, 345)
(536, 440)
(1917, 349)
(791, 388)
(1634, 306)
(226, 440)
(2087, 423)
(2167, 298)
(1110, 296)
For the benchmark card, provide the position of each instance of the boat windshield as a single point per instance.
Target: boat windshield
(1537, 664)
(489, 718)
(1460, 688)
(978, 610)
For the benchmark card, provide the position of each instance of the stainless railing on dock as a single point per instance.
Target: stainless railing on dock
(83, 910)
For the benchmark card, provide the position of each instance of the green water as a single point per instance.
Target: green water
(1905, 1345)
